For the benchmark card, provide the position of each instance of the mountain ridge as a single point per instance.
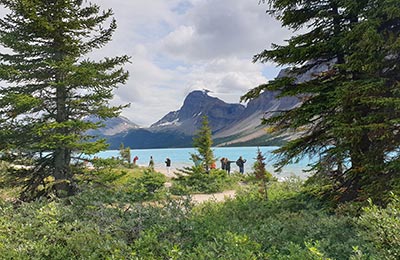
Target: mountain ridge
(231, 124)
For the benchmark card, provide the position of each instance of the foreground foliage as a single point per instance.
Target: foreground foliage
(107, 222)
(195, 180)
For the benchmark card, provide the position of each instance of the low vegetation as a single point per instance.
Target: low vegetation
(113, 217)
(195, 180)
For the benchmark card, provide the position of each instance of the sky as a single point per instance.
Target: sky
(178, 46)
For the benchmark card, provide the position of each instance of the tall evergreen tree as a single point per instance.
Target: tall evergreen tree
(203, 142)
(261, 174)
(350, 109)
(52, 86)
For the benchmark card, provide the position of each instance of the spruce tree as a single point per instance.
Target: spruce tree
(261, 174)
(51, 86)
(203, 142)
(350, 109)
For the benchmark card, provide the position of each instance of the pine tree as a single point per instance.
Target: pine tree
(261, 174)
(203, 142)
(350, 109)
(52, 87)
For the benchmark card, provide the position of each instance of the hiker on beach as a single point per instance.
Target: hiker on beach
(228, 165)
(213, 165)
(135, 160)
(223, 165)
(151, 163)
(240, 162)
(168, 164)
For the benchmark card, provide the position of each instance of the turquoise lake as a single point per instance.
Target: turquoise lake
(180, 157)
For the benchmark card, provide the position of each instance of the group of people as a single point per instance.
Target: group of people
(167, 163)
(226, 164)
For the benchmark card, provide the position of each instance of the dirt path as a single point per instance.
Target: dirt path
(217, 197)
(199, 198)
(164, 171)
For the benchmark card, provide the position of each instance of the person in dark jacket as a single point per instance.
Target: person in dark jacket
(223, 165)
(151, 163)
(228, 165)
(240, 162)
(168, 164)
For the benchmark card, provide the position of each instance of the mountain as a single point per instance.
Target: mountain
(231, 124)
(247, 129)
(176, 129)
(144, 138)
(189, 117)
(112, 126)
(248, 125)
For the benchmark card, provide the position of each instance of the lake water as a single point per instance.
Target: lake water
(180, 157)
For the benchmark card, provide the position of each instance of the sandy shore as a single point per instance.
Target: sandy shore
(164, 171)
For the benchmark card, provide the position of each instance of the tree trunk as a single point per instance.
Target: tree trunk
(62, 173)
(62, 154)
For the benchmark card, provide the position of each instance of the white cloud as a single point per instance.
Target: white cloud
(178, 46)
(214, 29)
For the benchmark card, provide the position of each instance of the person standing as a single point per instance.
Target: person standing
(168, 164)
(223, 165)
(151, 163)
(240, 162)
(135, 160)
(228, 165)
(213, 165)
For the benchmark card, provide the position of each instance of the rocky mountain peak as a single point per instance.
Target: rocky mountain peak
(112, 126)
(196, 104)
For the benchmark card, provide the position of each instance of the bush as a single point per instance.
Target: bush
(41, 230)
(381, 227)
(149, 186)
(195, 180)
(226, 246)
(287, 226)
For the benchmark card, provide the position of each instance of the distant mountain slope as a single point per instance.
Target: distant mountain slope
(142, 138)
(231, 124)
(112, 126)
(247, 128)
(189, 117)
(249, 122)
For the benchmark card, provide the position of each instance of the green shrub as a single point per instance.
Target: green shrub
(226, 245)
(41, 230)
(282, 225)
(195, 180)
(381, 228)
(139, 184)
(148, 186)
